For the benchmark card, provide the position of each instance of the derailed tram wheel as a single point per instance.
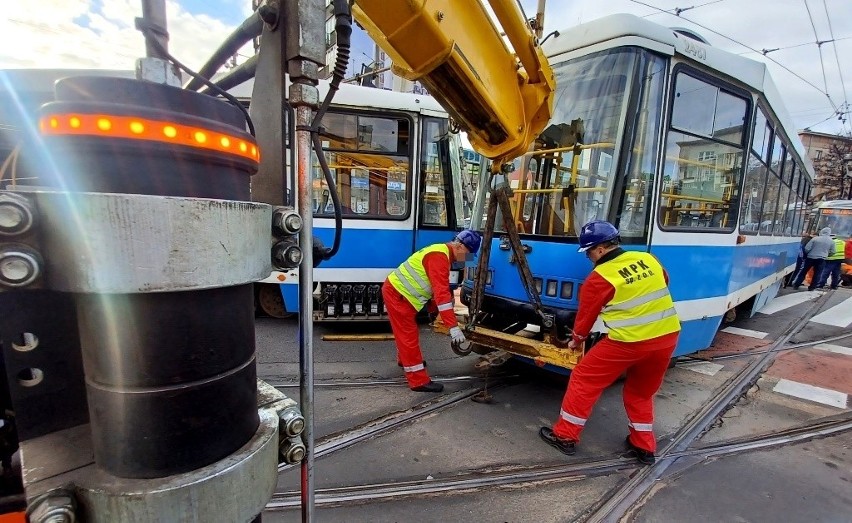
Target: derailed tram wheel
(271, 302)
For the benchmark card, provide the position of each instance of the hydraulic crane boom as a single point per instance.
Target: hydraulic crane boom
(501, 97)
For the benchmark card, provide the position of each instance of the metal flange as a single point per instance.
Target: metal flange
(130, 243)
(236, 488)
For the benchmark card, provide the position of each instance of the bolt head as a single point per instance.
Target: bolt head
(18, 268)
(16, 214)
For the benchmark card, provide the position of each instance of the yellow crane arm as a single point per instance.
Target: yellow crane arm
(501, 97)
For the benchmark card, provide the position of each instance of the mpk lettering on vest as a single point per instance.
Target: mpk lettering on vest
(632, 273)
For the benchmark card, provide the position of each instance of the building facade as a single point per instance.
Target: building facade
(831, 155)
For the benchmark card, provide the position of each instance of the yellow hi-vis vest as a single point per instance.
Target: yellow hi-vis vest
(839, 250)
(642, 307)
(410, 278)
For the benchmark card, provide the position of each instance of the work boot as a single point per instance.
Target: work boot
(429, 387)
(564, 446)
(646, 457)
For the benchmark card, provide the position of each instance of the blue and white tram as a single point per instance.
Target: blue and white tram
(686, 149)
(398, 172)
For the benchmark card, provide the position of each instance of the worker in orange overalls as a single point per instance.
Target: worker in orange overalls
(424, 278)
(629, 291)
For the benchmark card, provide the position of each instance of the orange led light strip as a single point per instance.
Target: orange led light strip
(134, 128)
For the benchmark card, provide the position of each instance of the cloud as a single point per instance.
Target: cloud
(89, 34)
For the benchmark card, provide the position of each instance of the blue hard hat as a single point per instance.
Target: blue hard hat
(470, 239)
(596, 232)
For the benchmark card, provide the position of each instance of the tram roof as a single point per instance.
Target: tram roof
(626, 29)
(834, 204)
(357, 96)
(38, 83)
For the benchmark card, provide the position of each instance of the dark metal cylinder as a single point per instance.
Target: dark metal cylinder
(170, 376)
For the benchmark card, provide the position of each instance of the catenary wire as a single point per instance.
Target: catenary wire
(800, 77)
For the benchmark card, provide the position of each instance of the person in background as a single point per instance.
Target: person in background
(816, 251)
(800, 260)
(629, 291)
(832, 264)
(424, 279)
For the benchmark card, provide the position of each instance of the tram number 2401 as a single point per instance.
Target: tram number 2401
(696, 51)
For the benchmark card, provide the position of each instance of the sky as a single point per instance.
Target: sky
(101, 34)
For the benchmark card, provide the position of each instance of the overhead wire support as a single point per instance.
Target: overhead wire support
(819, 47)
(836, 57)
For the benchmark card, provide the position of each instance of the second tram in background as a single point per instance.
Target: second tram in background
(685, 148)
(399, 176)
(835, 214)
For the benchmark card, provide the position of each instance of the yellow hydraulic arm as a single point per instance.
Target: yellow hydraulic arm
(501, 97)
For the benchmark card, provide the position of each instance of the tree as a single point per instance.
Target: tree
(833, 175)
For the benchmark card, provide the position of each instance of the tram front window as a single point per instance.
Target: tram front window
(560, 186)
(839, 220)
(370, 162)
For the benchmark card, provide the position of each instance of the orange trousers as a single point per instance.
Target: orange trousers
(598, 369)
(403, 320)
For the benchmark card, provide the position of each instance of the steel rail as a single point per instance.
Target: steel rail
(472, 480)
(797, 346)
(637, 487)
(467, 481)
(373, 382)
(818, 429)
(372, 428)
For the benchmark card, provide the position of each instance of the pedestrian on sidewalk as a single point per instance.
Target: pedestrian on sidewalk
(629, 291)
(424, 280)
(816, 251)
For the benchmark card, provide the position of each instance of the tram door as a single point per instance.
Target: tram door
(441, 206)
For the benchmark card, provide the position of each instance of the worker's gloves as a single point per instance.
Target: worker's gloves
(457, 336)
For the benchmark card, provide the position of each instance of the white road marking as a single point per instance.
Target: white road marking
(788, 300)
(745, 332)
(839, 349)
(812, 393)
(710, 369)
(839, 316)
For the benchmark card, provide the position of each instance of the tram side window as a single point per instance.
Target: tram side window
(770, 203)
(704, 157)
(753, 193)
(368, 157)
(781, 211)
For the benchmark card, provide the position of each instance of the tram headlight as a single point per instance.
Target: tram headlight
(538, 284)
(551, 288)
(567, 290)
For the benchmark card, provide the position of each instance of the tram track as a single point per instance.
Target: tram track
(509, 476)
(370, 381)
(624, 497)
(797, 346)
(637, 488)
(393, 420)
